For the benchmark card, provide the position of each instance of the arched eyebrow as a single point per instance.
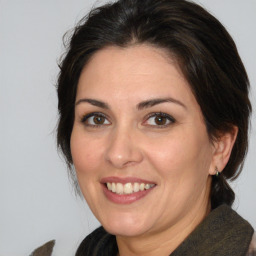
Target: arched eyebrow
(94, 102)
(153, 102)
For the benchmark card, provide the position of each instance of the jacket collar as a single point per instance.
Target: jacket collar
(223, 232)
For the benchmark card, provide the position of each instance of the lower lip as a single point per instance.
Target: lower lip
(125, 199)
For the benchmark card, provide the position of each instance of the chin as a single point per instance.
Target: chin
(124, 231)
(125, 227)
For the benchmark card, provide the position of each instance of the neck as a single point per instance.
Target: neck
(164, 242)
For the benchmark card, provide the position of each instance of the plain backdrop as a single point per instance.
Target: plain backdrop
(37, 202)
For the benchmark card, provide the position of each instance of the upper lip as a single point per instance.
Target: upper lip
(124, 180)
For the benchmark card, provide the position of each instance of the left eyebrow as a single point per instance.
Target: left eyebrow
(153, 102)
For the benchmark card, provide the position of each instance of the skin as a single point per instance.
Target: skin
(177, 156)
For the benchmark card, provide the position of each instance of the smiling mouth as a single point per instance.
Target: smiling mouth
(128, 188)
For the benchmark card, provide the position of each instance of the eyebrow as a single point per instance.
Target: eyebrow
(140, 106)
(93, 102)
(153, 102)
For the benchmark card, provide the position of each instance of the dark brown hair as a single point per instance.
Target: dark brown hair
(205, 52)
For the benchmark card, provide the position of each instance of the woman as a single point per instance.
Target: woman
(154, 112)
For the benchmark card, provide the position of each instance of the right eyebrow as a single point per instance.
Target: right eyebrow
(93, 102)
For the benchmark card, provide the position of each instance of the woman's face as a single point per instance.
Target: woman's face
(139, 143)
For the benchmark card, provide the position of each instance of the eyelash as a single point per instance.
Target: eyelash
(162, 115)
(85, 119)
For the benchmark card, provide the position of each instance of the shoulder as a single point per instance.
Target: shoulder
(96, 243)
(252, 247)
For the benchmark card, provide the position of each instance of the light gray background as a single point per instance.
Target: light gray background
(36, 199)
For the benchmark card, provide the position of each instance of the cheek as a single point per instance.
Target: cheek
(181, 154)
(85, 152)
(182, 162)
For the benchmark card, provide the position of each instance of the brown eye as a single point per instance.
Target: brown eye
(99, 119)
(159, 120)
(95, 119)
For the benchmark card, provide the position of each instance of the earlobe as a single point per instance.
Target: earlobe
(223, 146)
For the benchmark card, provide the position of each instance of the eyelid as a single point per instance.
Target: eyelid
(87, 116)
(169, 117)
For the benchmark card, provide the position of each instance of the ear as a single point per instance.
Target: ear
(222, 148)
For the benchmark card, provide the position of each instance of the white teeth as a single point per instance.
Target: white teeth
(147, 186)
(136, 187)
(109, 185)
(128, 188)
(113, 187)
(119, 188)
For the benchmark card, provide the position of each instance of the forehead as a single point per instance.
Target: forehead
(136, 71)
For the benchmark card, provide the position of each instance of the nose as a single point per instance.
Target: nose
(122, 149)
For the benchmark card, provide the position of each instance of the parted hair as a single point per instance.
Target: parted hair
(206, 55)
